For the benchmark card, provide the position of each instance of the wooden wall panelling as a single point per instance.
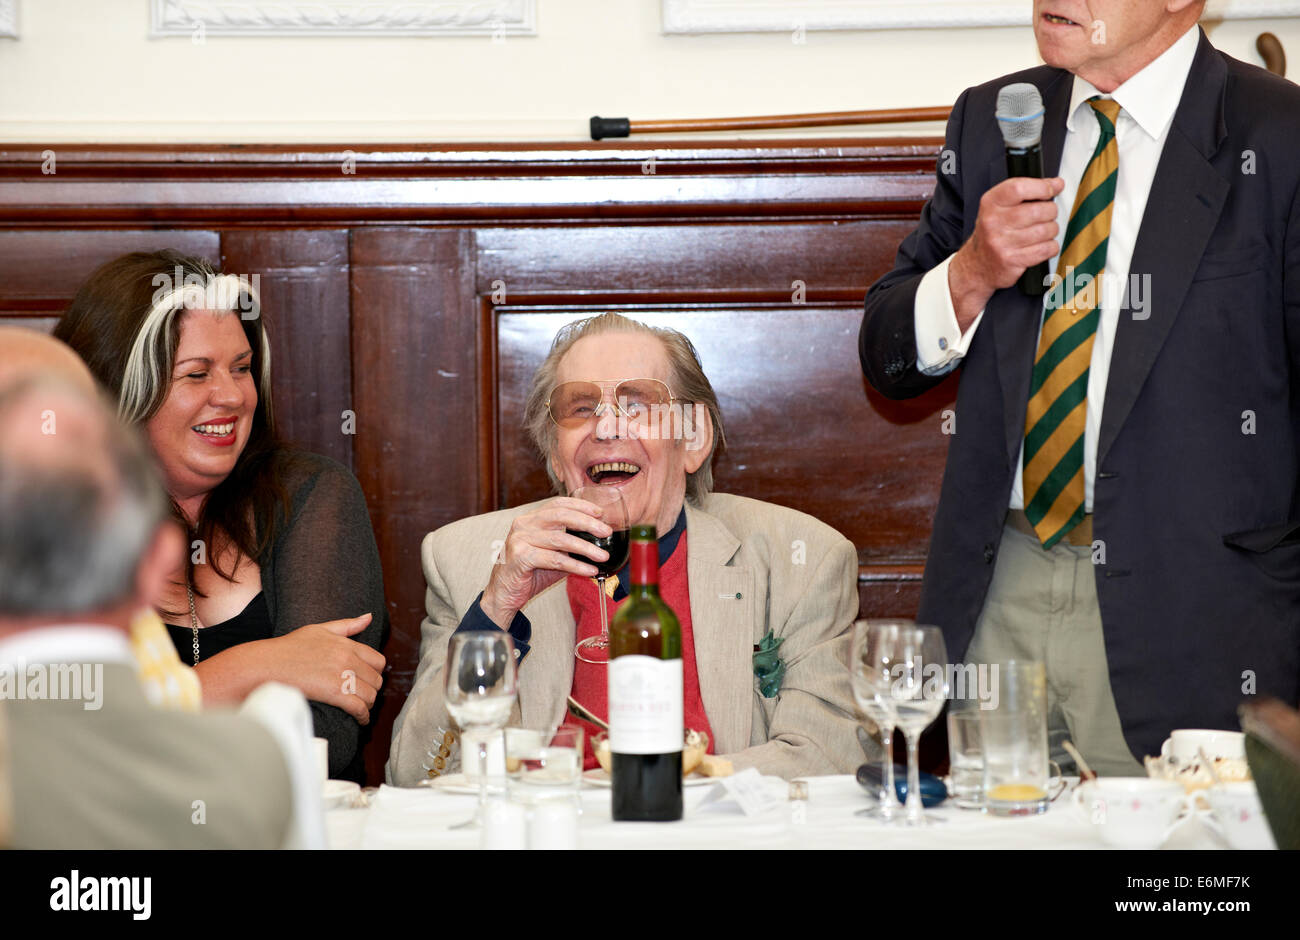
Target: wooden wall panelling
(41, 269)
(305, 184)
(414, 324)
(701, 259)
(304, 284)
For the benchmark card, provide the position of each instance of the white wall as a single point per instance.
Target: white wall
(83, 70)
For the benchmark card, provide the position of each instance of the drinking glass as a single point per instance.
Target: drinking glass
(965, 754)
(541, 767)
(480, 693)
(1014, 735)
(595, 649)
(919, 688)
(870, 658)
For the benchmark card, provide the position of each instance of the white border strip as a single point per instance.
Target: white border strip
(497, 18)
(734, 16)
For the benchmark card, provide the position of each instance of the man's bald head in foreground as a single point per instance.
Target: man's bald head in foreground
(85, 533)
(27, 353)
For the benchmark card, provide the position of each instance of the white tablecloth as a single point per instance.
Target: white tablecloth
(418, 819)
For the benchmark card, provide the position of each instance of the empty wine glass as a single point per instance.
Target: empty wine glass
(870, 658)
(480, 693)
(918, 690)
(595, 649)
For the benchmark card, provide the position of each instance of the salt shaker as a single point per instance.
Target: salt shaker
(504, 826)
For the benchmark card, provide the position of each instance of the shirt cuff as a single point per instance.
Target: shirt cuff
(521, 631)
(940, 344)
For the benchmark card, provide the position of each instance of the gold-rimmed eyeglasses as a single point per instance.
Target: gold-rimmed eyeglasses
(573, 404)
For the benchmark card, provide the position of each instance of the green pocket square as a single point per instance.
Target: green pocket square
(769, 668)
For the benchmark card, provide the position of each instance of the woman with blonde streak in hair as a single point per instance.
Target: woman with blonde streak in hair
(282, 582)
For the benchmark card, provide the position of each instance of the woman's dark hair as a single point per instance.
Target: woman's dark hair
(124, 323)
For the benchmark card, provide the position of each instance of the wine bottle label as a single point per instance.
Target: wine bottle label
(645, 705)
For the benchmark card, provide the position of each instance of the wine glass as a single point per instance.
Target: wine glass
(481, 689)
(870, 658)
(595, 649)
(919, 690)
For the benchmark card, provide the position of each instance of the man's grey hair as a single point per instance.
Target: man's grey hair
(687, 382)
(77, 521)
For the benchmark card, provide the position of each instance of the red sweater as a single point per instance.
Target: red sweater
(590, 681)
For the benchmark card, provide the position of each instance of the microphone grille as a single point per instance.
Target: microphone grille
(1020, 114)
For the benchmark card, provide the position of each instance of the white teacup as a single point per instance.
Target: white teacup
(1185, 743)
(1237, 815)
(1131, 812)
(320, 750)
(339, 794)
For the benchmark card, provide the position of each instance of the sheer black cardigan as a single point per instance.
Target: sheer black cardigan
(324, 565)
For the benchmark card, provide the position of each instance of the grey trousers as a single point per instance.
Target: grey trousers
(1042, 605)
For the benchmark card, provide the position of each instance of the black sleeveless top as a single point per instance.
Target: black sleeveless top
(251, 623)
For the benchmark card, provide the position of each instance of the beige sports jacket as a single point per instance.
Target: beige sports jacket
(753, 567)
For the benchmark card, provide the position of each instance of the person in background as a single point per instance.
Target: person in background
(88, 541)
(282, 580)
(1122, 497)
(167, 681)
(739, 573)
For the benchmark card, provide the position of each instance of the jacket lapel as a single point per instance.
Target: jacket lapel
(1014, 317)
(546, 678)
(1187, 197)
(722, 622)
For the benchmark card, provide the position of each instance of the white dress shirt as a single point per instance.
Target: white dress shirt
(1149, 100)
(74, 643)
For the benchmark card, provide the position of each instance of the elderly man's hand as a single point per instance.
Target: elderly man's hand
(1015, 229)
(535, 555)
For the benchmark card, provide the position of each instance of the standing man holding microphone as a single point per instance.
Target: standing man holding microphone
(1122, 496)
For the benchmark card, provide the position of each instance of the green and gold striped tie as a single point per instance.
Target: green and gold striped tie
(1058, 390)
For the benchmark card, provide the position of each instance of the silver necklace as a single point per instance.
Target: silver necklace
(194, 623)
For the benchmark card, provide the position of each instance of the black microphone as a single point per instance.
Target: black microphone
(1020, 118)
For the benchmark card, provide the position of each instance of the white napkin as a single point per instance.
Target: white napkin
(748, 792)
(283, 711)
(418, 818)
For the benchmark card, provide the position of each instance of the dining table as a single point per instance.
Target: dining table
(823, 815)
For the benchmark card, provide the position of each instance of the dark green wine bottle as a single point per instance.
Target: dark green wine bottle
(645, 694)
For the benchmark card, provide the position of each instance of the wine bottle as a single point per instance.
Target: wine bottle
(645, 694)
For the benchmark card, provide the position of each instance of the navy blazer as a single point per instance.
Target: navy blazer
(1197, 492)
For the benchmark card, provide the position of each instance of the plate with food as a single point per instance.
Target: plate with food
(698, 766)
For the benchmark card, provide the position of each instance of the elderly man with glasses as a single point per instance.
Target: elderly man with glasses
(765, 595)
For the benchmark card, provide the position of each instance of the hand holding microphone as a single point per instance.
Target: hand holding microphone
(1020, 118)
(1015, 230)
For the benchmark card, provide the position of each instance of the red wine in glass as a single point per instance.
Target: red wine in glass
(595, 649)
(615, 544)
